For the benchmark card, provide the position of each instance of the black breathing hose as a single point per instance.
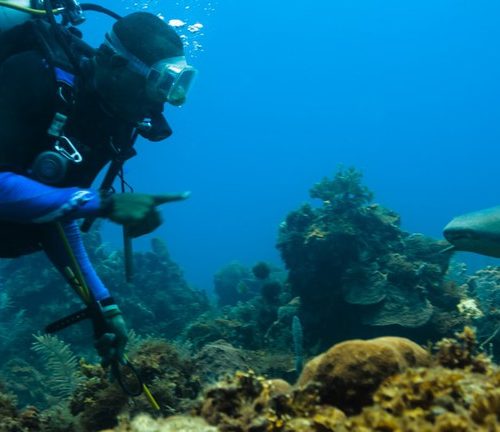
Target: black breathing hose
(60, 36)
(97, 8)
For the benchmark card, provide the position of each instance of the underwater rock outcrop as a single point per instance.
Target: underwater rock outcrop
(356, 271)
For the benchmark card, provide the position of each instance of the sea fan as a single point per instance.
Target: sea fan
(134, 341)
(60, 363)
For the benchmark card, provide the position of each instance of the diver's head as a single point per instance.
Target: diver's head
(141, 65)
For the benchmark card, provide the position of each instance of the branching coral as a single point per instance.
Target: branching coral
(245, 402)
(344, 191)
(461, 352)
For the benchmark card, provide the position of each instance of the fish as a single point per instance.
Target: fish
(477, 232)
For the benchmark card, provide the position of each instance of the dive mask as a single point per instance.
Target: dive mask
(168, 80)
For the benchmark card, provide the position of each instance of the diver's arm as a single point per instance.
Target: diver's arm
(57, 253)
(110, 345)
(27, 201)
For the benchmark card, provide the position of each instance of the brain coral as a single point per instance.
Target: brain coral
(350, 372)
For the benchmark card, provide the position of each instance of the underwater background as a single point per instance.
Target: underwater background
(407, 92)
(326, 146)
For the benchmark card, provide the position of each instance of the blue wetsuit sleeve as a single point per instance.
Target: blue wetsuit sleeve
(27, 201)
(55, 250)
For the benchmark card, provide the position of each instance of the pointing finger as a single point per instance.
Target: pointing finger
(166, 198)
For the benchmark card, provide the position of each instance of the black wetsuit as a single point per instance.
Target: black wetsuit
(27, 207)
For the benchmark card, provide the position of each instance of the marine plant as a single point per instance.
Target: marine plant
(61, 365)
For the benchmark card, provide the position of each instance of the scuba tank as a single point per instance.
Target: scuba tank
(15, 12)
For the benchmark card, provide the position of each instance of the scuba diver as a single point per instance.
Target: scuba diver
(66, 111)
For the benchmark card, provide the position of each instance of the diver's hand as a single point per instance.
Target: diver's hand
(137, 212)
(111, 345)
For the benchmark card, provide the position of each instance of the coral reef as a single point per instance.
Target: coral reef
(8, 413)
(158, 302)
(253, 323)
(352, 273)
(233, 283)
(435, 399)
(385, 384)
(483, 287)
(406, 397)
(460, 352)
(217, 359)
(171, 379)
(357, 272)
(347, 374)
(145, 423)
(242, 403)
(27, 383)
(97, 402)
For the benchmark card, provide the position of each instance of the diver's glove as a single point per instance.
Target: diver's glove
(111, 345)
(136, 211)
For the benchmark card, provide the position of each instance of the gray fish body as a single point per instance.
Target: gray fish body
(477, 232)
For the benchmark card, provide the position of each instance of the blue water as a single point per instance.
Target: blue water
(408, 92)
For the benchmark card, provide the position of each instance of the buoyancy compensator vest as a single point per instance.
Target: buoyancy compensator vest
(31, 25)
(26, 26)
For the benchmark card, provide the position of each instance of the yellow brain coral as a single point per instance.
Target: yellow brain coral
(348, 373)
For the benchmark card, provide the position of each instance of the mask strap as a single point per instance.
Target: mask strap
(115, 44)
